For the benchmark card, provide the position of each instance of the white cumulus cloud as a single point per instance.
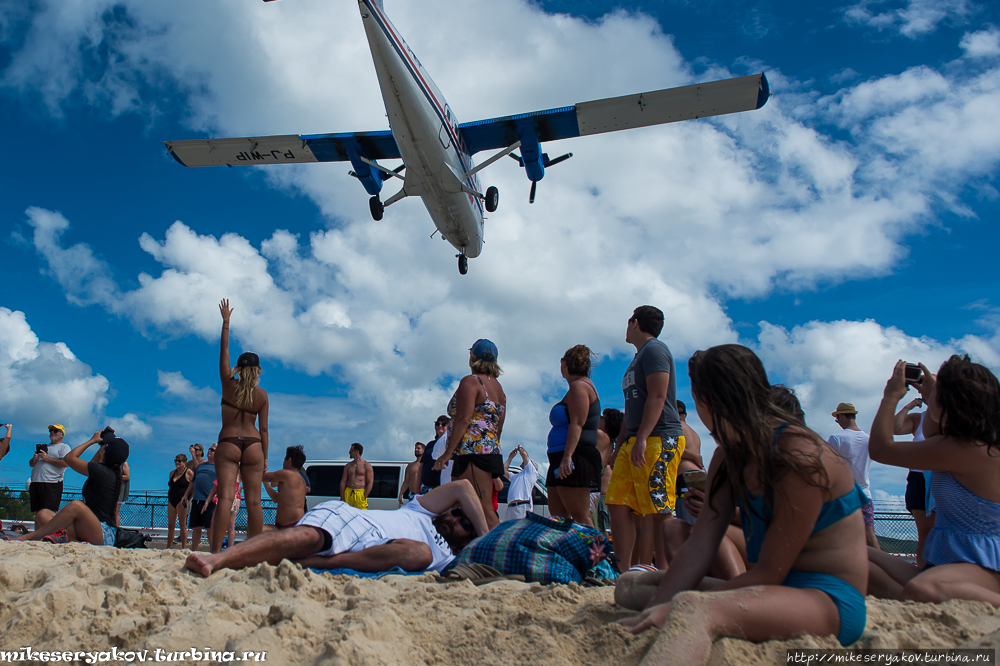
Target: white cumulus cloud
(910, 18)
(683, 216)
(44, 382)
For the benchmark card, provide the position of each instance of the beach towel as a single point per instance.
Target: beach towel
(395, 571)
(543, 550)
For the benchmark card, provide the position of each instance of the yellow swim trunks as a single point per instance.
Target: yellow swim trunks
(356, 497)
(650, 489)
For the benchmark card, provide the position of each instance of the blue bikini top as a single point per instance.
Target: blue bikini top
(755, 516)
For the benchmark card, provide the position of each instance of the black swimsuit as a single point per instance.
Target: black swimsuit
(176, 489)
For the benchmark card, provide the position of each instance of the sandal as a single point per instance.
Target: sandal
(477, 574)
(19, 528)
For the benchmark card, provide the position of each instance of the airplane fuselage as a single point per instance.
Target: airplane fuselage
(426, 132)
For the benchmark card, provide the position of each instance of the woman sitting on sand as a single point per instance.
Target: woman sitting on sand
(477, 414)
(962, 550)
(574, 461)
(92, 520)
(177, 506)
(800, 510)
(242, 448)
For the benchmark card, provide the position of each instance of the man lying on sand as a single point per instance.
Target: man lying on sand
(425, 534)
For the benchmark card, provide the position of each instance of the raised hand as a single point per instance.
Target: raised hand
(225, 310)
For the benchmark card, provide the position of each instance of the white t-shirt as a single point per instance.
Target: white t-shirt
(521, 485)
(44, 472)
(852, 445)
(439, 448)
(353, 529)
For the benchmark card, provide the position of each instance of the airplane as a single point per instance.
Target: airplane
(436, 150)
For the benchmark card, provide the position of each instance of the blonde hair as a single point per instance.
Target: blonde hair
(481, 367)
(247, 379)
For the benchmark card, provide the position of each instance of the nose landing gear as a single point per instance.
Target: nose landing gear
(463, 263)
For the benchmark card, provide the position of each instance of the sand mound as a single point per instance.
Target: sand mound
(80, 597)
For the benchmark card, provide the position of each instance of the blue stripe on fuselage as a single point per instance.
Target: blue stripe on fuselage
(415, 74)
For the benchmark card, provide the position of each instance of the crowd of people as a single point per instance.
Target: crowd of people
(778, 527)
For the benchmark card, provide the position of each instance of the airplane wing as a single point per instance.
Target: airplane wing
(700, 100)
(286, 149)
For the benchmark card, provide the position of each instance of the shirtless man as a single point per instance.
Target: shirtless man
(290, 493)
(412, 472)
(357, 479)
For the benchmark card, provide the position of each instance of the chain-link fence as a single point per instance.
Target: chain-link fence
(894, 526)
(141, 509)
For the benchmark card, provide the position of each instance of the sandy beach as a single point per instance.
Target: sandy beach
(81, 597)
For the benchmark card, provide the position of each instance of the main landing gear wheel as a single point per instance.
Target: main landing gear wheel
(463, 264)
(376, 208)
(492, 199)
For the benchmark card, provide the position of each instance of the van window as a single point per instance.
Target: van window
(386, 485)
(324, 480)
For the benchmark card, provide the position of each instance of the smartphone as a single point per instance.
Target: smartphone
(696, 478)
(912, 374)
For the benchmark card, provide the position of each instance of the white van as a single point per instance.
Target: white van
(324, 479)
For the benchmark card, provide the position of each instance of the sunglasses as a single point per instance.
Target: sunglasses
(464, 522)
(178, 459)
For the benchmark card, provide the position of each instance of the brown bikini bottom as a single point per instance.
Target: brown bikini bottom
(242, 442)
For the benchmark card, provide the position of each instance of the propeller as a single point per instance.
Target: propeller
(562, 158)
(546, 162)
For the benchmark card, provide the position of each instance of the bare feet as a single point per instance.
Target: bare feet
(201, 563)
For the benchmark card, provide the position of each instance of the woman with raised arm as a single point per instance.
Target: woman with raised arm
(242, 447)
(962, 550)
(477, 412)
(800, 511)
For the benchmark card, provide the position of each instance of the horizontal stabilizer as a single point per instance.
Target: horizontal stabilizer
(286, 149)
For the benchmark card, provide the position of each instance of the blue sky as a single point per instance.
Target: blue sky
(850, 222)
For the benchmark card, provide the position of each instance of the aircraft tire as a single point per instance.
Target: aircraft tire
(376, 208)
(492, 199)
(463, 264)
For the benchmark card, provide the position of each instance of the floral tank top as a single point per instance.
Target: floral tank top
(481, 437)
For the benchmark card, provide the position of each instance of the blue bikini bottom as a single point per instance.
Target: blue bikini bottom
(850, 603)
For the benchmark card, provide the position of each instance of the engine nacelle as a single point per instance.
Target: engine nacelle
(532, 158)
(369, 176)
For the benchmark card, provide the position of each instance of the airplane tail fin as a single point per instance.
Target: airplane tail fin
(379, 3)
